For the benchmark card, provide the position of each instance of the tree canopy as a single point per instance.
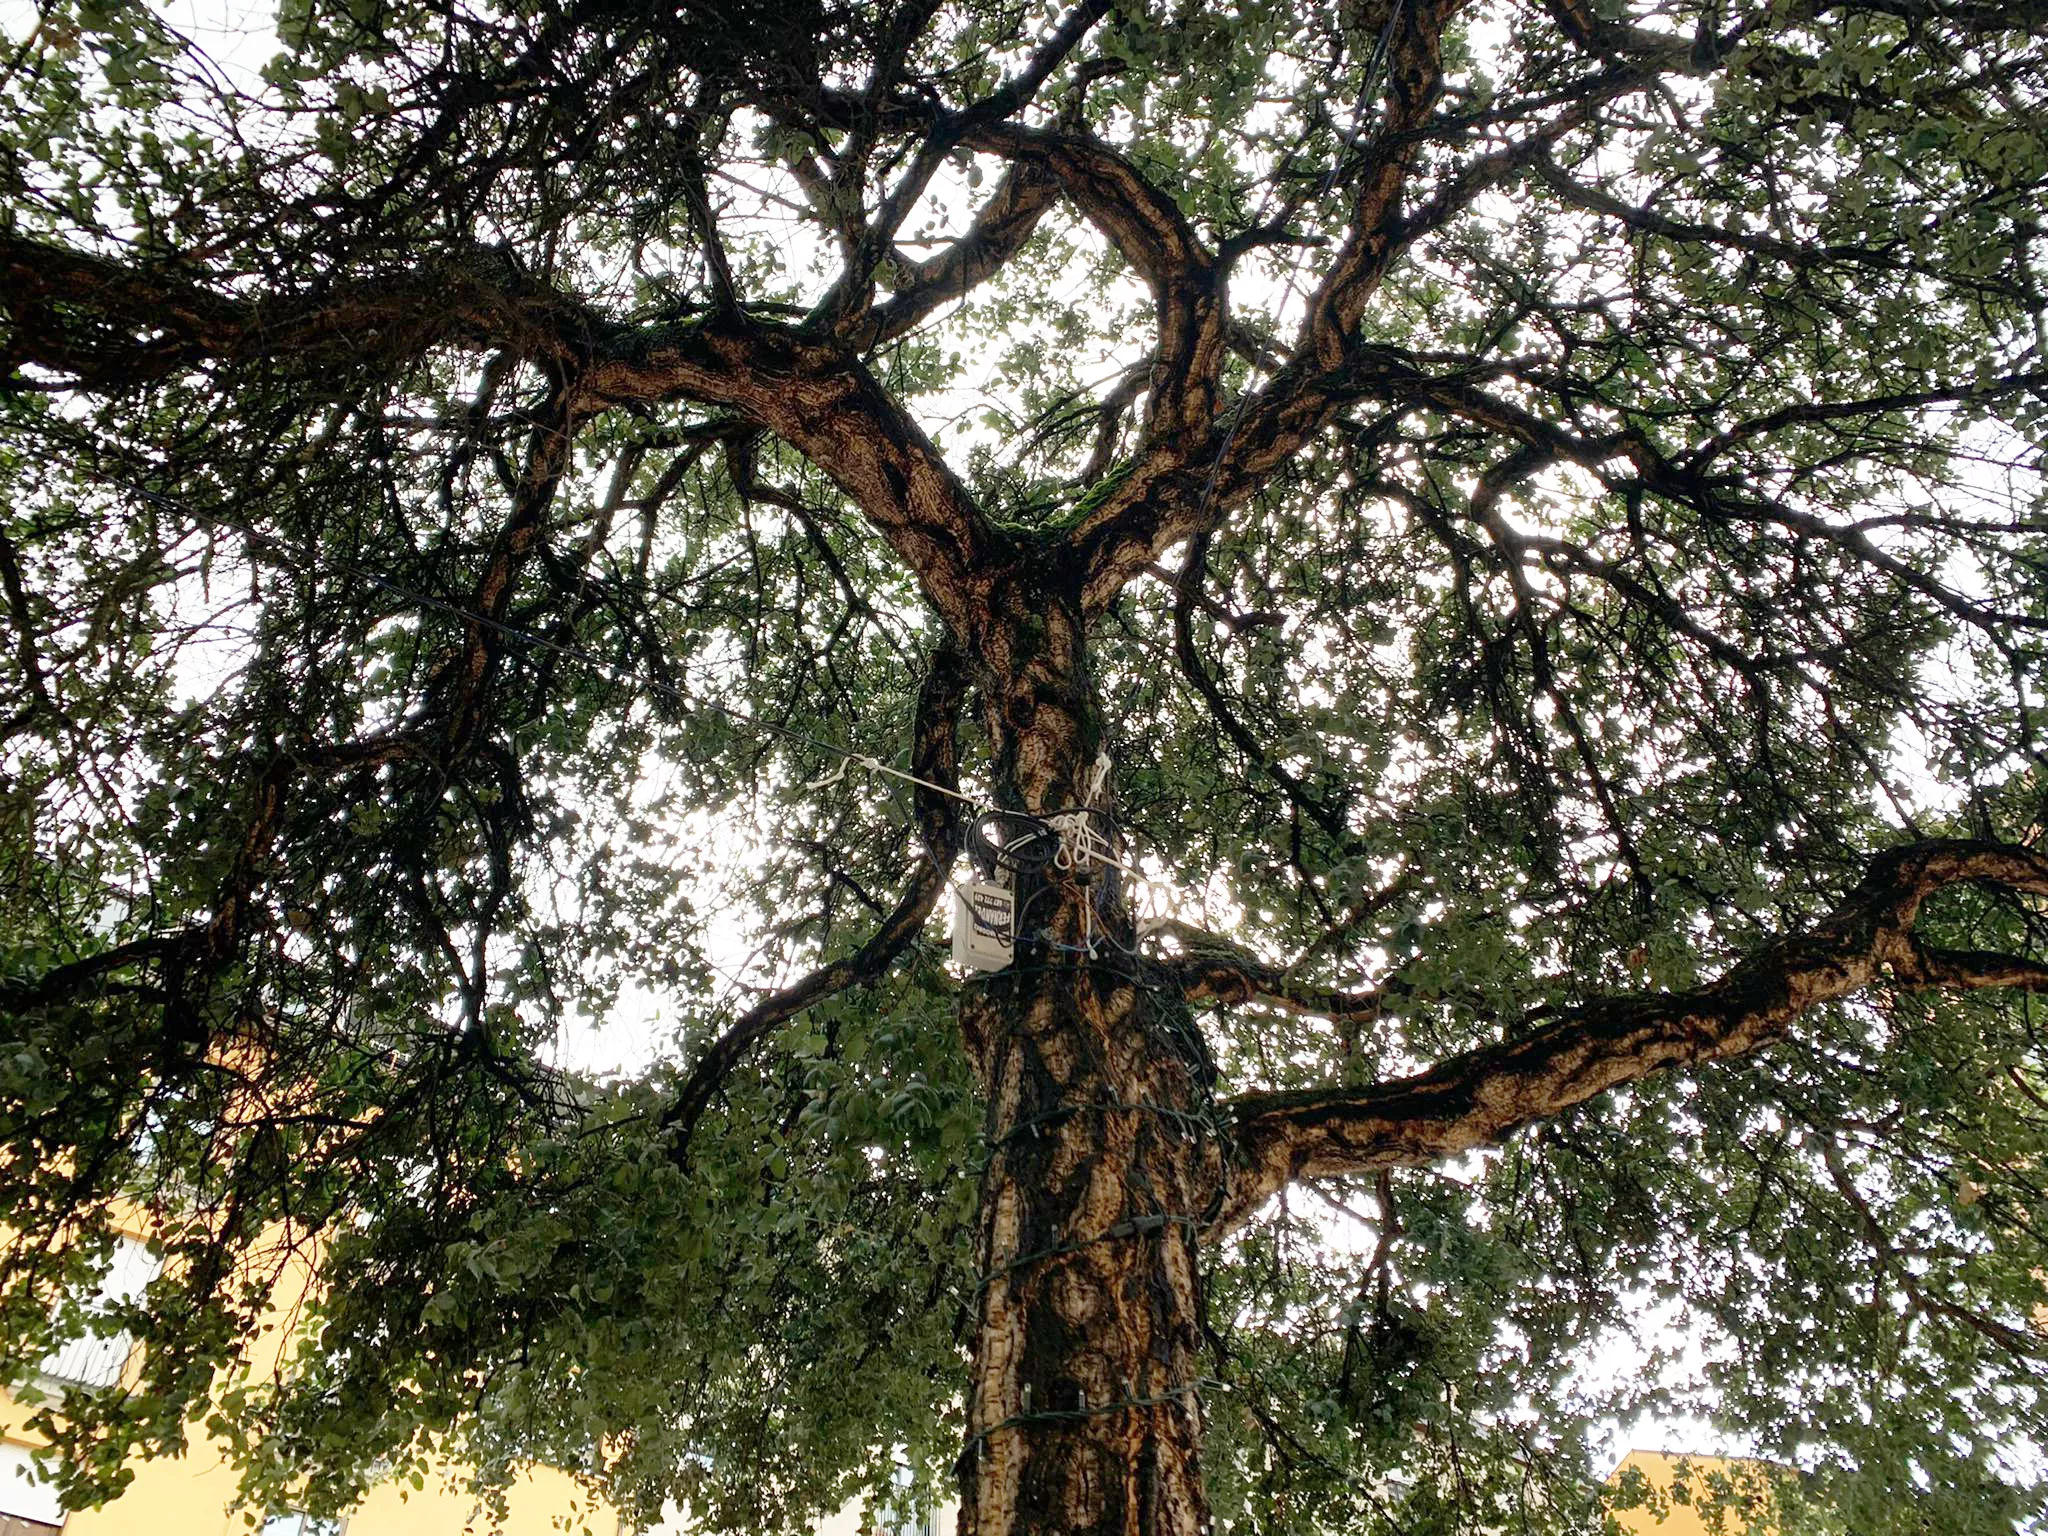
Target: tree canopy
(1521, 522)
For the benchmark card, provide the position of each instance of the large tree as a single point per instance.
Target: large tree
(1519, 521)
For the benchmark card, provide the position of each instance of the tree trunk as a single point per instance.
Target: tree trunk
(1084, 1413)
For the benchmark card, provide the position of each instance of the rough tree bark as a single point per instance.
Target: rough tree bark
(1084, 1413)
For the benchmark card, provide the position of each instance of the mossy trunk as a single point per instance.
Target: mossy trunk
(1084, 1412)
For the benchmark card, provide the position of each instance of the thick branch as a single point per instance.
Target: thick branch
(76, 980)
(1149, 230)
(1141, 220)
(816, 395)
(1478, 1098)
(1006, 221)
(109, 325)
(1002, 228)
(25, 656)
(1414, 76)
(1213, 970)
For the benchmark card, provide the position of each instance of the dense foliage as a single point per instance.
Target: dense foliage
(433, 636)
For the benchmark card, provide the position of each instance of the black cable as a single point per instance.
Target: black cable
(1012, 842)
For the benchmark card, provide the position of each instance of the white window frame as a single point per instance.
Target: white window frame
(295, 1522)
(24, 1493)
(98, 1359)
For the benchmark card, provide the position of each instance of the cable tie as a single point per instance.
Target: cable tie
(1172, 1395)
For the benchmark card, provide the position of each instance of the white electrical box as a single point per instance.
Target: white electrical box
(984, 924)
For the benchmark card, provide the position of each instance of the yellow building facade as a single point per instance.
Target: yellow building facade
(1683, 1495)
(194, 1494)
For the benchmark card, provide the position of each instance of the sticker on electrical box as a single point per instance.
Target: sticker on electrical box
(984, 925)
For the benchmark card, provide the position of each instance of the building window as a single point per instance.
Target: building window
(28, 1505)
(97, 1359)
(900, 1515)
(291, 1522)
